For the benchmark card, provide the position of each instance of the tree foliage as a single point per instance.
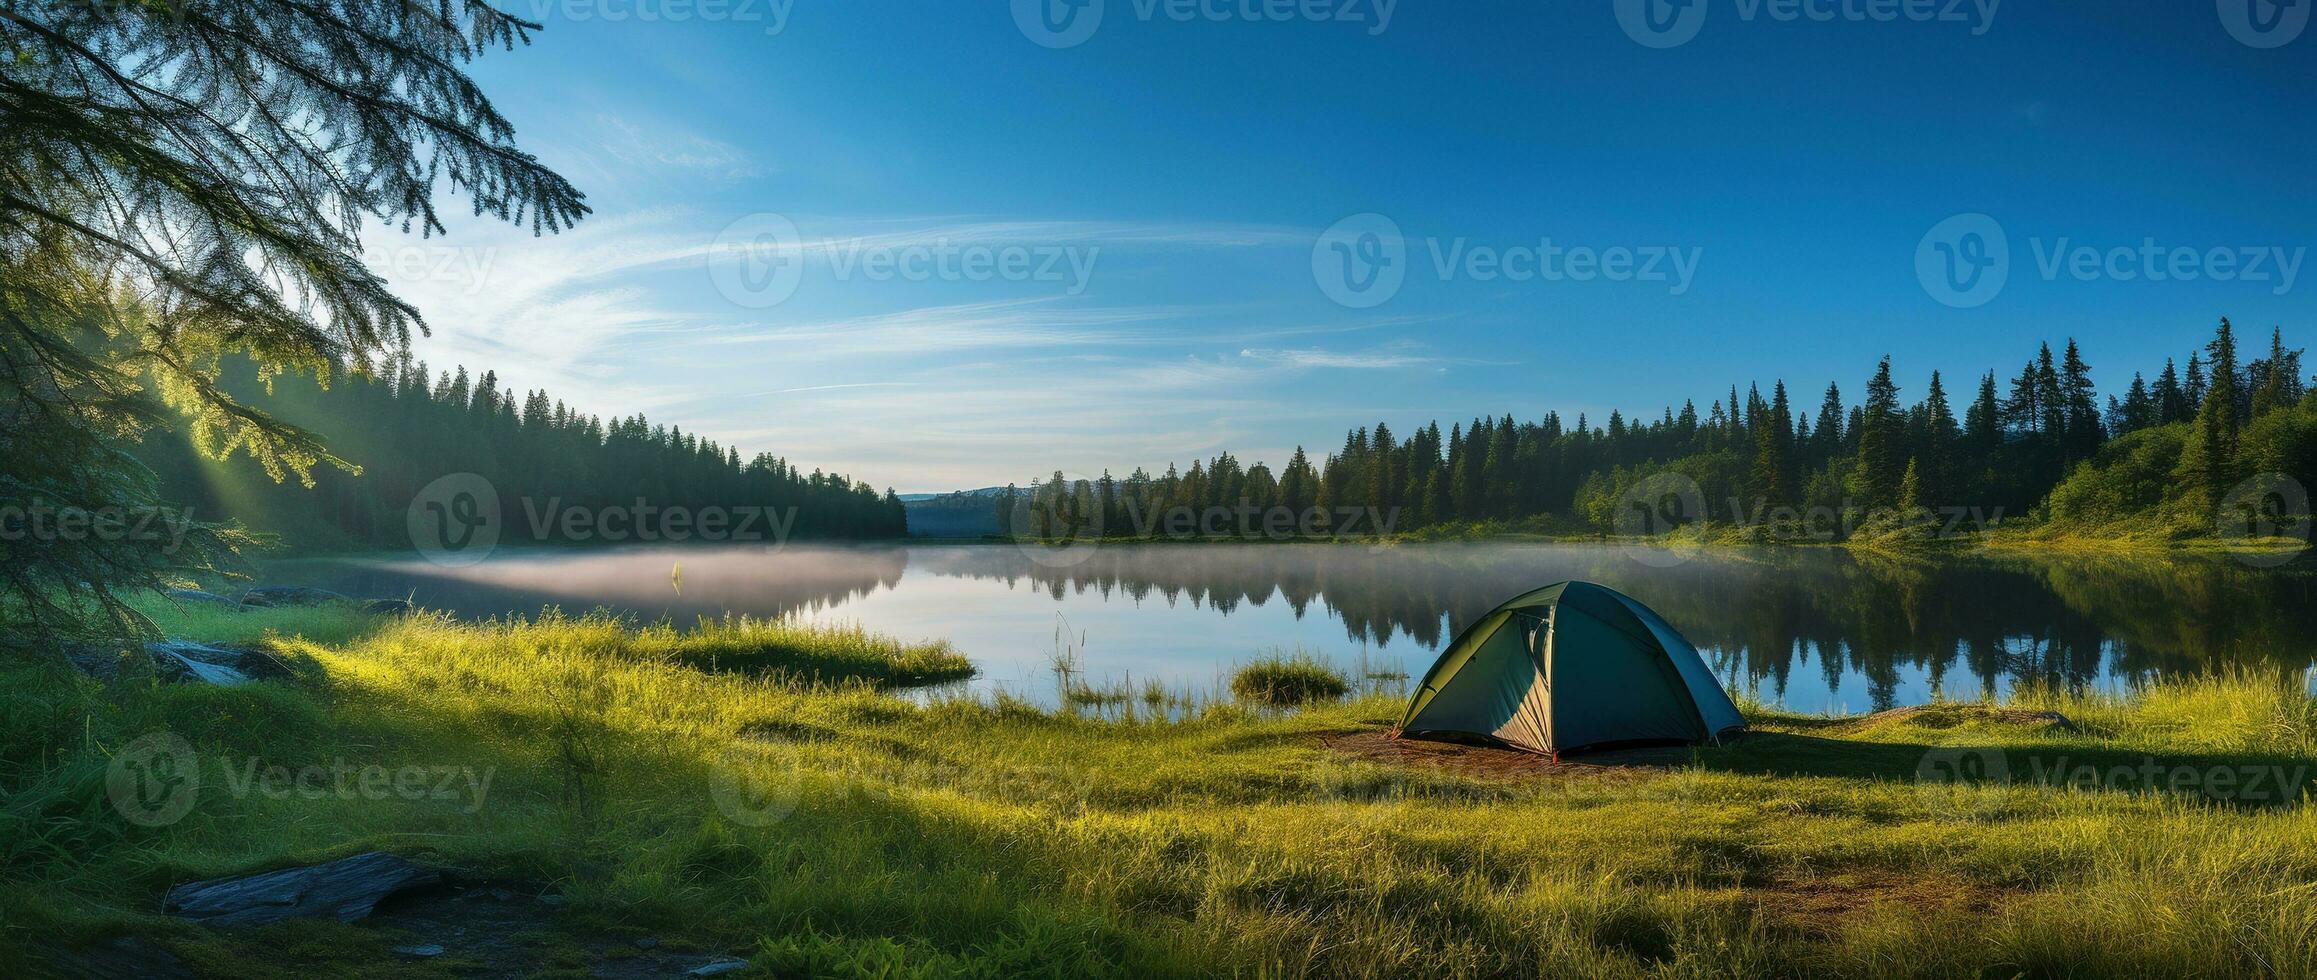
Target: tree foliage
(181, 181)
(1751, 459)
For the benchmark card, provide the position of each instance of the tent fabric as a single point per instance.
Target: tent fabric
(1569, 666)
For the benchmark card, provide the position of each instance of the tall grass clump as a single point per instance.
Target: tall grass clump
(803, 652)
(2231, 711)
(1284, 680)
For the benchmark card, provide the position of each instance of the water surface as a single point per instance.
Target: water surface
(1813, 629)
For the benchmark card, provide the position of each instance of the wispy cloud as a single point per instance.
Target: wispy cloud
(858, 384)
(1320, 357)
(618, 316)
(1040, 322)
(667, 148)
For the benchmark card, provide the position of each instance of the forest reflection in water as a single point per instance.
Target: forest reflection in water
(1811, 628)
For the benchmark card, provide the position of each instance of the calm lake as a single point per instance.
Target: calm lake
(1813, 629)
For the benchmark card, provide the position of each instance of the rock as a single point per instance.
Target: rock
(176, 668)
(289, 595)
(346, 889)
(388, 607)
(427, 951)
(184, 660)
(198, 596)
(647, 943)
(716, 967)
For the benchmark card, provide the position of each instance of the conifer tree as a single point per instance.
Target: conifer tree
(2080, 431)
(1827, 437)
(2138, 410)
(1773, 449)
(1983, 421)
(1881, 458)
(1937, 449)
(2275, 379)
(181, 181)
(2172, 403)
(2208, 463)
(1912, 500)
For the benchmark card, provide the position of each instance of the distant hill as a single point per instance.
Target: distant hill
(985, 492)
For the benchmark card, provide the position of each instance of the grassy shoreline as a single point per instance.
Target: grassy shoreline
(829, 828)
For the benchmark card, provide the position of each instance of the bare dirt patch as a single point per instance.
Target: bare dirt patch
(1492, 762)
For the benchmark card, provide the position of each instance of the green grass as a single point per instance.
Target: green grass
(332, 623)
(830, 829)
(1281, 680)
(791, 650)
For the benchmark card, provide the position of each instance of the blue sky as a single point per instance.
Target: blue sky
(1156, 209)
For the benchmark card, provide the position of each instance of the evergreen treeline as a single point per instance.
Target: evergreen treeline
(406, 429)
(1760, 459)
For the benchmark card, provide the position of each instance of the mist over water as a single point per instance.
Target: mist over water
(1816, 629)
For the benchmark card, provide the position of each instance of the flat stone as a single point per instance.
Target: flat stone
(716, 967)
(184, 660)
(346, 889)
(427, 951)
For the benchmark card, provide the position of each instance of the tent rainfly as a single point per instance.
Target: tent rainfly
(1566, 667)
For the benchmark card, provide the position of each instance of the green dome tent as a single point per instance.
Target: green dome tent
(1566, 667)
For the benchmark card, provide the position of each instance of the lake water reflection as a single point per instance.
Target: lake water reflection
(1812, 629)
